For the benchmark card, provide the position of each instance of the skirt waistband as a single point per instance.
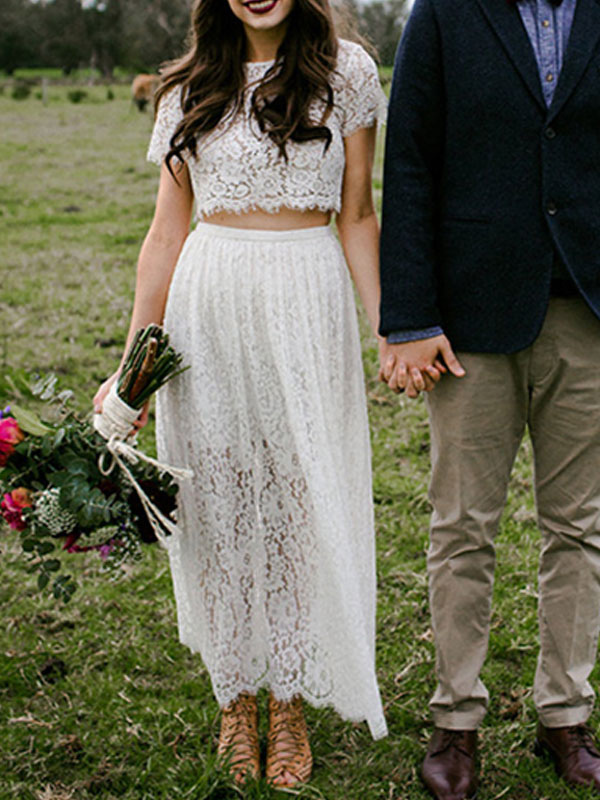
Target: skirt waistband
(252, 234)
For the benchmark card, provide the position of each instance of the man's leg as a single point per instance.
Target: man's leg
(476, 426)
(565, 430)
(477, 423)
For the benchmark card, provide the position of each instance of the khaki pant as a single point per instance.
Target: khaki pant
(477, 423)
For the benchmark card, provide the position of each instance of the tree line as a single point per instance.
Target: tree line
(138, 35)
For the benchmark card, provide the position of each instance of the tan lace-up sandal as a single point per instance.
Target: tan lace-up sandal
(238, 739)
(289, 760)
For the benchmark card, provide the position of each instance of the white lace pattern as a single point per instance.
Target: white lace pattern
(238, 168)
(274, 566)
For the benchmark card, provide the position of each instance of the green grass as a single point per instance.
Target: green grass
(98, 699)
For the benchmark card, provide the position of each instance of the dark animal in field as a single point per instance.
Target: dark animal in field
(142, 90)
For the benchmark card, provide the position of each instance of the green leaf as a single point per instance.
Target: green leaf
(60, 435)
(44, 548)
(52, 565)
(59, 478)
(28, 545)
(77, 466)
(43, 580)
(44, 387)
(29, 422)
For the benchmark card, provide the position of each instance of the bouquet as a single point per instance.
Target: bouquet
(68, 486)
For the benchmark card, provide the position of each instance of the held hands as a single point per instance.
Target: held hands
(418, 366)
(105, 388)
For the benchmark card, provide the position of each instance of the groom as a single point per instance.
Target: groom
(491, 301)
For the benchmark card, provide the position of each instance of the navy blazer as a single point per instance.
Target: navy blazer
(482, 182)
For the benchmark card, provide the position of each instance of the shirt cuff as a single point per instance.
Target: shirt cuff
(399, 337)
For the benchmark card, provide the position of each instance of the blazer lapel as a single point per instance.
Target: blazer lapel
(506, 21)
(583, 39)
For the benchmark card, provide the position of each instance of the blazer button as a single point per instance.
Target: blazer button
(550, 133)
(551, 209)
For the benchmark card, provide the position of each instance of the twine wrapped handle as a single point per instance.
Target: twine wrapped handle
(115, 425)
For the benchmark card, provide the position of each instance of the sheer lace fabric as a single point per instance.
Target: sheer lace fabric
(238, 168)
(274, 570)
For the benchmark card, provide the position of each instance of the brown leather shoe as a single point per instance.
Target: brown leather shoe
(449, 771)
(572, 749)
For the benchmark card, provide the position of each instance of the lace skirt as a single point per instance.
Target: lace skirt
(273, 570)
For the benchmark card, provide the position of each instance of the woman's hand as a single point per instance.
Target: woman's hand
(142, 420)
(387, 359)
(105, 388)
(417, 366)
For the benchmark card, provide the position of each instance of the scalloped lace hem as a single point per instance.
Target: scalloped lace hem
(269, 208)
(376, 722)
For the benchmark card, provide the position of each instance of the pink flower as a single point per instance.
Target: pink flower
(12, 506)
(106, 549)
(10, 435)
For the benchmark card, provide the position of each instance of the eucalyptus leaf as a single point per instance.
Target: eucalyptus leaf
(47, 392)
(29, 422)
(77, 466)
(42, 385)
(59, 478)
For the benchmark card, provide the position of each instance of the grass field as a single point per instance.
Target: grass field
(98, 699)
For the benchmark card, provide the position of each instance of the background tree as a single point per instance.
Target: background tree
(18, 23)
(63, 41)
(152, 31)
(103, 21)
(382, 22)
(138, 35)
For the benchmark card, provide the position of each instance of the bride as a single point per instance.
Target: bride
(268, 125)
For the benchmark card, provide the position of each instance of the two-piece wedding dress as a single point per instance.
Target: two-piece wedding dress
(273, 569)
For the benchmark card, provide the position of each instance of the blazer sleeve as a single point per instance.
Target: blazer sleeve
(412, 170)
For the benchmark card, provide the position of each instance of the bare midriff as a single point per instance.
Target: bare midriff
(283, 220)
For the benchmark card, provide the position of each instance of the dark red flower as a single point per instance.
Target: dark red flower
(12, 506)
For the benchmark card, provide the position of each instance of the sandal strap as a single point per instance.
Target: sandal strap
(288, 749)
(238, 738)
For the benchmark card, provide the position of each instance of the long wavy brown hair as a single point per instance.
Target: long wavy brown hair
(211, 75)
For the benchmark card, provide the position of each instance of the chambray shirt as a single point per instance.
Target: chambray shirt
(548, 27)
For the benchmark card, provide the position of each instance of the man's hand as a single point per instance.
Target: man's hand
(416, 367)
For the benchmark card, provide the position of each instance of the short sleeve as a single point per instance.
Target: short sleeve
(362, 99)
(168, 117)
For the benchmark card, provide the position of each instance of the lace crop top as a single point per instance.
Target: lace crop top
(239, 169)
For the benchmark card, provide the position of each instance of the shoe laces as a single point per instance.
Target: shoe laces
(287, 718)
(581, 736)
(456, 740)
(238, 724)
